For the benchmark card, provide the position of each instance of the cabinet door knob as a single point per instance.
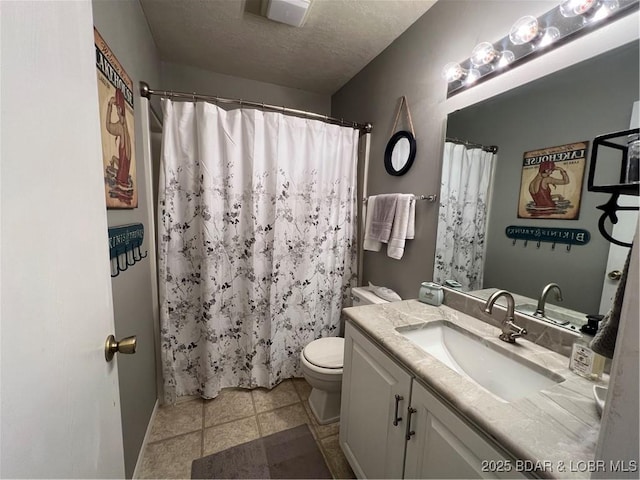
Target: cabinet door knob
(410, 432)
(396, 418)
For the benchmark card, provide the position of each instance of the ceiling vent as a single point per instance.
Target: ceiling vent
(290, 12)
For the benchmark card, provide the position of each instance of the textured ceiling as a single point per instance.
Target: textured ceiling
(337, 40)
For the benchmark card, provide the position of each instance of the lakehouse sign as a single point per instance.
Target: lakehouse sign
(551, 184)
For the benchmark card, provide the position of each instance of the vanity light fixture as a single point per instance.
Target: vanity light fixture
(530, 36)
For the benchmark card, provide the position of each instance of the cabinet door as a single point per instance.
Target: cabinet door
(444, 446)
(372, 444)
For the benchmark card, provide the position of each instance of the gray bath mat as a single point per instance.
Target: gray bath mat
(292, 453)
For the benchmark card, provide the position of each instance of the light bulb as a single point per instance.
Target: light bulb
(453, 71)
(525, 30)
(483, 54)
(573, 8)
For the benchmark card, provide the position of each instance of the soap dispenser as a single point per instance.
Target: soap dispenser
(584, 361)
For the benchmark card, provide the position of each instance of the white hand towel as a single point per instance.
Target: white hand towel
(382, 213)
(369, 243)
(411, 225)
(401, 221)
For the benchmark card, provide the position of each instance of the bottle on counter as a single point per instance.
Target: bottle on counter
(584, 361)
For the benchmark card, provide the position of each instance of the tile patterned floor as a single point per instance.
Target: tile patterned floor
(197, 428)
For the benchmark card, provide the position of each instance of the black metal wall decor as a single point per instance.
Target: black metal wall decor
(566, 236)
(626, 152)
(124, 247)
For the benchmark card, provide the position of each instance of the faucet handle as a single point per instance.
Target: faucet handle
(511, 331)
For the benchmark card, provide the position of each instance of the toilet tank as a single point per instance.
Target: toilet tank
(364, 296)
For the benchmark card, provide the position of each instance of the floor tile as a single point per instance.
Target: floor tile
(302, 387)
(279, 396)
(230, 404)
(229, 435)
(172, 420)
(171, 458)
(282, 419)
(336, 461)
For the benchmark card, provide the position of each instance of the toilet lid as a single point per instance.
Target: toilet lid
(325, 352)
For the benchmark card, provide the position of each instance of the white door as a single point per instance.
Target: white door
(623, 231)
(60, 405)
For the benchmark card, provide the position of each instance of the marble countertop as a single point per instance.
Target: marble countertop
(557, 427)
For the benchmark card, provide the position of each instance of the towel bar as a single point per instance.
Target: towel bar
(428, 198)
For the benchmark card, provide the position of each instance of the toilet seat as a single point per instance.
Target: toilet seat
(326, 353)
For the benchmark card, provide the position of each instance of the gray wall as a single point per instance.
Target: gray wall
(124, 28)
(575, 104)
(412, 66)
(190, 79)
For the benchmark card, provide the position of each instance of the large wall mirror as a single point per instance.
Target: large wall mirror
(573, 105)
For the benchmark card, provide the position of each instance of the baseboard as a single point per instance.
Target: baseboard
(136, 471)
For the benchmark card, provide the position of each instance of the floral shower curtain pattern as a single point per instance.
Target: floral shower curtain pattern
(256, 243)
(462, 218)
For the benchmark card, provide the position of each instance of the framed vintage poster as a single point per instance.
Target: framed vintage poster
(551, 185)
(115, 94)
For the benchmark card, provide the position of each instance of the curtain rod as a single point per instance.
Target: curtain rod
(490, 148)
(146, 92)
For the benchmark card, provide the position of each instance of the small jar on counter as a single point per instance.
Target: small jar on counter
(431, 293)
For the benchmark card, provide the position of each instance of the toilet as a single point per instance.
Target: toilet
(322, 362)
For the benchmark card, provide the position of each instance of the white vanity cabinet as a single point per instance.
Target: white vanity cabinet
(371, 436)
(424, 439)
(444, 446)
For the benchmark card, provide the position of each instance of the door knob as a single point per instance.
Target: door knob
(614, 274)
(126, 345)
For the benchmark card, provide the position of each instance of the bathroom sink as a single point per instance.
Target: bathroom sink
(502, 373)
(551, 315)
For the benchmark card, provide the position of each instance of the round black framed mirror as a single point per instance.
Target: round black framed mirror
(400, 153)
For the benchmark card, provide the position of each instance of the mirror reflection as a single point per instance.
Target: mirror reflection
(400, 154)
(566, 108)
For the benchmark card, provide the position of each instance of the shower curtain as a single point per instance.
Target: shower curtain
(256, 243)
(462, 219)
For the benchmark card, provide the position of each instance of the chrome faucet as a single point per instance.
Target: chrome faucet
(543, 298)
(510, 331)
